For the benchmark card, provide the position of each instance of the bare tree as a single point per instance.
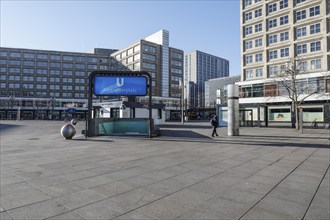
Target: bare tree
(296, 89)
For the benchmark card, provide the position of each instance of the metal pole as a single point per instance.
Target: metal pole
(182, 103)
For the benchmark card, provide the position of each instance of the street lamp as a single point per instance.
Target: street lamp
(181, 86)
(52, 103)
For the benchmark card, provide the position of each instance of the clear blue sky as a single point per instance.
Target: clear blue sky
(79, 26)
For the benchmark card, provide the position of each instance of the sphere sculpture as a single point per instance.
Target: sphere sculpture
(68, 131)
(74, 121)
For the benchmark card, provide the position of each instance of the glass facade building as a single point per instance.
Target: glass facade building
(200, 67)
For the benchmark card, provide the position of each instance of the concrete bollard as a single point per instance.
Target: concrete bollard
(233, 110)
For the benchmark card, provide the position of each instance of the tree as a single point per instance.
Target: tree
(296, 87)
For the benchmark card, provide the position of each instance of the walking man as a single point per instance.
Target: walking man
(214, 122)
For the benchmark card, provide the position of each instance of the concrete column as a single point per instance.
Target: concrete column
(233, 110)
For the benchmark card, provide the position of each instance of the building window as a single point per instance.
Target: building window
(302, 66)
(285, 52)
(42, 56)
(258, 27)
(248, 3)
(284, 36)
(316, 64)
(15, 55)
(258, 13)
(80, 59)
(314, 11)
(248, 59)
(149, 66)
(68, 58)
(29, 56)
(273, 70)
(272, 23)
(283, 4)
(316, 46)
(248, 30)
(315, 28)
(258, 57)
(148, 57)
(248, 44)
(259, 72)
(248, 74)
(258, 42)
(149, 48)
(284, 19)
(272, 39)
(271, 8)
(300, 15)
(299, 1)
(301, 48)
(301, 32)
(272, 54)
(55, 57)
(248, 16)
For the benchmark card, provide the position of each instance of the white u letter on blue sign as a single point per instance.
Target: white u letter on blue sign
(120, 83)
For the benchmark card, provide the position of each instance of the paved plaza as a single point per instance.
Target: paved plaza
(265, 173)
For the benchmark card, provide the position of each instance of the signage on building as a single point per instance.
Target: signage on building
(120, 85)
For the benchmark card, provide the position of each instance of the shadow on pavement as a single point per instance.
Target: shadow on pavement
(8, 127)
(181, 134)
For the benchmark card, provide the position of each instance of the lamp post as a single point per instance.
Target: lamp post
(181, 86)
(52, 112)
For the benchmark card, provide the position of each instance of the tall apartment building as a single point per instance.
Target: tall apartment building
(200, 67)
(42, 83)
(274, 33)
(154, 55)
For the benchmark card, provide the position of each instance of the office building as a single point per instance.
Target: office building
(275, 33)
(47, 84)
(216, 90)
(200, 67)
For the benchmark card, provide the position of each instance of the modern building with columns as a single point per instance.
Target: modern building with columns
(275, 33)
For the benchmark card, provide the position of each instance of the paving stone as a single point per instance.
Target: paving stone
(253, 187)
(92, 182)
(228, 208)
(62, 189)
(78, 175)
(39, 210)
(224, 180)
(15, 188)
(190, 197)
(80, 198)
(317, 212)
(208, 187)
(299, 186)
(280, 192)
(71, 215)
(133, 199)
(264, 214)
(113, 188)
(99, 210)
(134, 215)
(198, 213)
(23, 198)
(5, 216)
(242, 196)
(48, 181)
(165, 209)
(293, 209)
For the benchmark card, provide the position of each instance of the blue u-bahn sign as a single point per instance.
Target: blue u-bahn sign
(120, 85)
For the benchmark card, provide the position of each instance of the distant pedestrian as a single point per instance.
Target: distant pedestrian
(214, 123)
